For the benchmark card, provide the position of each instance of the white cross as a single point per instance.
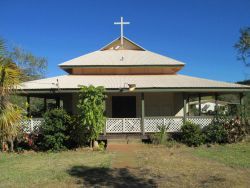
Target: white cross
(121, 23)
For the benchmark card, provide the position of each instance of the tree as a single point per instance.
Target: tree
(91, 111)
(10, 114)
(33, 67)
(243, 46)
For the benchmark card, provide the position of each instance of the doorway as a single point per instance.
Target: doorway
(124, 106)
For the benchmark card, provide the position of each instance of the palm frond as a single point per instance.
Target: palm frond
(10, 118)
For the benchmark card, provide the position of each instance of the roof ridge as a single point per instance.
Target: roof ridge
(113, 41)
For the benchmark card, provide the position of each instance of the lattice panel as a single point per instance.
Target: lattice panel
(132, 125)
(114, 125)
(153, 124)
(25, 126)
(32, 125)
(202, 121)
(37, 124)
(174, 124)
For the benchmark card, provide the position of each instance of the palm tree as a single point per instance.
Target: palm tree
(10, 114)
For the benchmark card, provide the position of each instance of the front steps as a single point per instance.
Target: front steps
(123, 138)
(124, 141)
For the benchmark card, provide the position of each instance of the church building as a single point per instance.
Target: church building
(144, 89)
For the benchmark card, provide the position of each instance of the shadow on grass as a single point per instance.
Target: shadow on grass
(118, 177)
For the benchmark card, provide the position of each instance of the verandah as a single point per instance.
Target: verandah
(142, 123)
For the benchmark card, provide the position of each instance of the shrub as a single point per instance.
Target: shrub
(91, 111)
(215, 133)
(191, 134)
(55, 130)
(160, 137)
(236, 130)
(101, 146)
(78, 133)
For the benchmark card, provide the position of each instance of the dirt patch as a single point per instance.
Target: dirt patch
(125, 148)
(124, 155)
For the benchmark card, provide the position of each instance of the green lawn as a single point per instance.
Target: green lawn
(46, 169)
(235, 155)
(132, 165)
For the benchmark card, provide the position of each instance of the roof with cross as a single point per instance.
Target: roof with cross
(123, 61)
(127, 55)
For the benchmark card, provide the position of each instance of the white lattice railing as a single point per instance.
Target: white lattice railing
(152, 124)
(31, 125)
(131, 125)
(200, 120)
(123, 125)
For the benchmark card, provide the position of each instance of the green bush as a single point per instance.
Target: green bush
(236, 130)
(160, 137)
(191, 134)
(91, 112)
(215, 133)
(55, 130)
(78, 133)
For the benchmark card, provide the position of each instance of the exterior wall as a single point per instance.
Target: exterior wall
(163, 104)
(156, 104)
(124, 71)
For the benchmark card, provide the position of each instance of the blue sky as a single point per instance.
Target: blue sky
(200, 33)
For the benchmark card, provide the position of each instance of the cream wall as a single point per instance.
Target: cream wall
(163, 104)
(156, 104)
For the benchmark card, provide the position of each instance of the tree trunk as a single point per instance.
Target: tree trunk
(11, 145)
(2, 142)
(90, 144)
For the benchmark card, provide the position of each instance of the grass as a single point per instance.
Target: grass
(46, 169)
(234, 155)
(130, 165)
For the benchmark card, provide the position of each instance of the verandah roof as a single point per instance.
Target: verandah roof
(115, 82)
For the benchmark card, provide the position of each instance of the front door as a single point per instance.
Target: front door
(123, 106)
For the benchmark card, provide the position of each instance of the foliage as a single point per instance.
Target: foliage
(102, 146)
(77, 133)
(215, 133)
(191, 134)
(55, 130)
(162, 136)
(243, 45)
(236, 130)
(32, 66)
(10, 77)
(91, 111)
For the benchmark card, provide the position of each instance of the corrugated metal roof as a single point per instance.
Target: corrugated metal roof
(118, 81)
(131, 54)
(121, 58)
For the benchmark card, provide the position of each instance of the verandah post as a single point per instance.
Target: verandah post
(242, 106)
(199, 104)
(45, 104)
(58, 102)
(184, 107)
(142, 114)
(216, 103)
(28, 106)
